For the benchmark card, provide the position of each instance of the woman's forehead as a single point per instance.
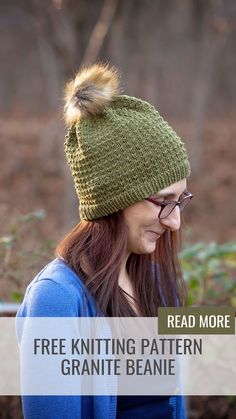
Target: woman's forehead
(175, 188)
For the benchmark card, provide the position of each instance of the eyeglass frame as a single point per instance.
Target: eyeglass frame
(163, 204)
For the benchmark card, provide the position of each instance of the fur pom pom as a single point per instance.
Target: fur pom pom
(90, 92)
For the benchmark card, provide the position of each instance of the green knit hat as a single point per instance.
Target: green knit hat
(120, 150)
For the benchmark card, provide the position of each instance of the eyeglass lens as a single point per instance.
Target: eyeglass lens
(167, 210)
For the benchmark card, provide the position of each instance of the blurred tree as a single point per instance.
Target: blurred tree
(177, 54)
(170, 53)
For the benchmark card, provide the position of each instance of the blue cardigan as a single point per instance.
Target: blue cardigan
(57, 292)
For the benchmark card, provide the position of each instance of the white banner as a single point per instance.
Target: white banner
(102, 356)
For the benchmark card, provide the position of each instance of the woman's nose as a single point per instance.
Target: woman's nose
(173, 220)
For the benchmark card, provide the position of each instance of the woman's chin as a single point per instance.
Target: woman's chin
(148, 247)
(143, 248)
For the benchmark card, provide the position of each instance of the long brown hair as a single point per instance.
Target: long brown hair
(156, 278)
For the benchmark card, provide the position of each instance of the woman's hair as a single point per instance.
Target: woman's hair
(100, 246)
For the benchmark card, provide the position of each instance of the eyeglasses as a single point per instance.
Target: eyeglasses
(168, 206)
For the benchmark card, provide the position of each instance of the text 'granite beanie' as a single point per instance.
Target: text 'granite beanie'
(119, 148)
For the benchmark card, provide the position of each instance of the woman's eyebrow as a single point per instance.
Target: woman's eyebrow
(168, 194)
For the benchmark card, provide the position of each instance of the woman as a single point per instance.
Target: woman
(130, 170)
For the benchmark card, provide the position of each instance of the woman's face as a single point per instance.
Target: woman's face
(144, 226)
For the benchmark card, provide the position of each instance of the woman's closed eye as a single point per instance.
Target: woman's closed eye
(162, 200)
(167, 200)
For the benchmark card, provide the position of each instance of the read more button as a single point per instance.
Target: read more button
(196, 320)
(204, 320)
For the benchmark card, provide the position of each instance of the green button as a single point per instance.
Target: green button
(196, 320)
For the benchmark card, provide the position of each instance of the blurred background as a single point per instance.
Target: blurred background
(177, 54)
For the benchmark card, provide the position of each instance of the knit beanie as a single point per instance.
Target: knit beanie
(119, 149)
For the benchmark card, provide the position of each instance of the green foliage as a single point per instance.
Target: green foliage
(210, 273)
(16, 296)
(23, 251)
(209, 269)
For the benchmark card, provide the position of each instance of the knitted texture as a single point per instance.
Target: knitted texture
(122, 156)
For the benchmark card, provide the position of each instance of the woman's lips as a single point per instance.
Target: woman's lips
(154, 234)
